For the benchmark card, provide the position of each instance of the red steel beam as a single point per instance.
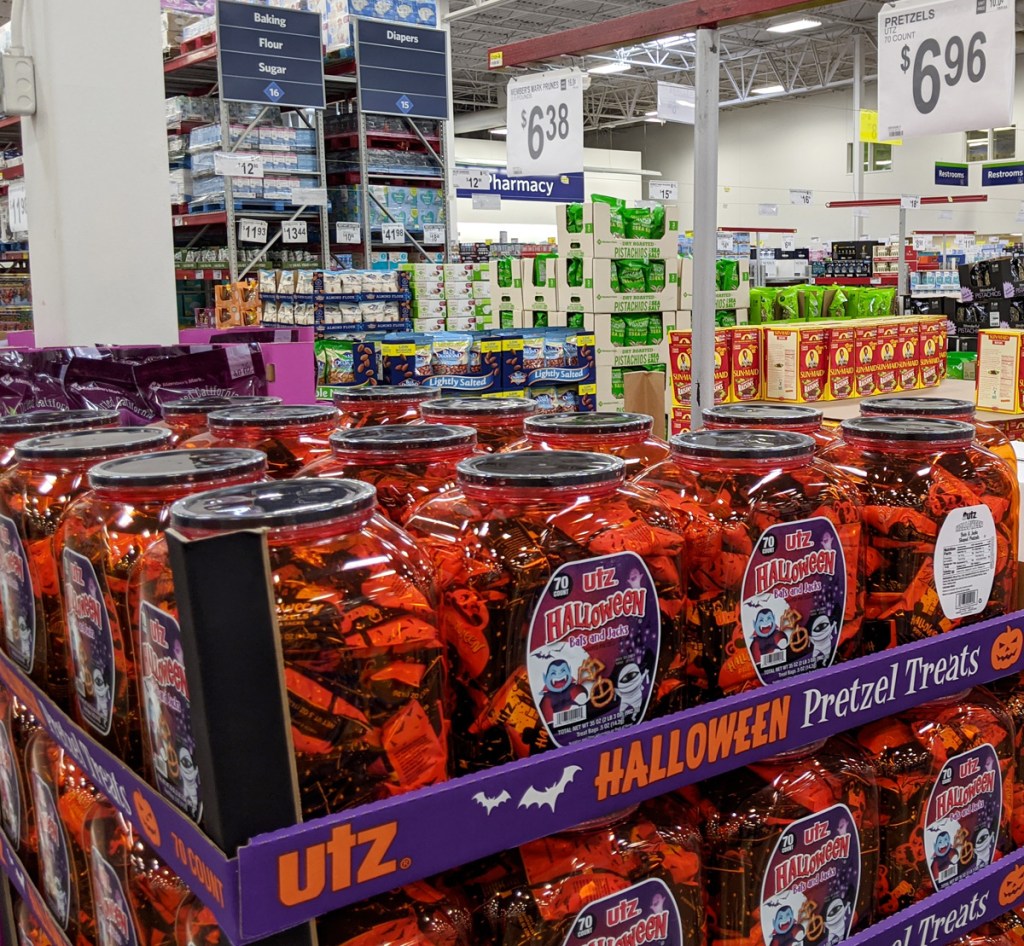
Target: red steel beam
(895, 201)
(639, 28)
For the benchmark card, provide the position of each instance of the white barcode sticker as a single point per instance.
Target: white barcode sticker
(576, 714)
(773, 659)
(965, 561)
(948, 874)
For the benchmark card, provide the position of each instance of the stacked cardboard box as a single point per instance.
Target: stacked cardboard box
(449, 296)
(732, 296)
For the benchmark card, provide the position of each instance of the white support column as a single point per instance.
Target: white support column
(858, 148)
(705, 227)
(96, 175)
(451, 210)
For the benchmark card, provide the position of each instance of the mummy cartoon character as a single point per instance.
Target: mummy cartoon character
(822, 632)
(984, 841)
(101, 694)
(837, 919)
(629, 687)
(189, 781)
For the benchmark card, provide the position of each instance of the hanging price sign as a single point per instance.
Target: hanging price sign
(663, 190)
(788, 243)
(347, 233)
(294, 231)
(392, 233)
(545, 124)
(17, 210)
(252, 231)
(908, 202)
(233, 164)
(433, 234)
(945, 65)
(726, 242)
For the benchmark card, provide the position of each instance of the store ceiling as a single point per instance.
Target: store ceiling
(752, 58)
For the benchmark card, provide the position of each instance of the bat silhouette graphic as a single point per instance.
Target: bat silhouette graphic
(549, 796)
(491, 803)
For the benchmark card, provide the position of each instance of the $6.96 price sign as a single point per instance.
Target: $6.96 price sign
(945, 65)
(545, 124)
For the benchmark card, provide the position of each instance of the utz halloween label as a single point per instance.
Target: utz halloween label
(10, 790)
(16, 594)
(54, 862)
(644, 913)
(965, 561)
(812, 881)
(89, 641)
(113, 914)
(593, 646)
(961, 828)
(168, 710)
(794, 597)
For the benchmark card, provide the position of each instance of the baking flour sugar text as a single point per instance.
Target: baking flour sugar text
(906, 677)
(729, 735)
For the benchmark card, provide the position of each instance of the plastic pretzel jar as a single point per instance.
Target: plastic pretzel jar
(987, 435)
(15, 427)
(187, 416)
(560, 596)
(632, 878)
(404, 462)
(498, 421)
(774, 556)
(17, 725)
(291, 437)
(620, 435)
(946, 772)
(136, 895)
(793, 418)
(101, 537)
(62, 796)
(364, 662)
(791, 847)
(376, 406)
(940, 521)
(50, 473)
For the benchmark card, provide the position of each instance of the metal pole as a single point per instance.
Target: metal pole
(705, 226)
(325, 225)
(447, 136)
(858, 147)
(901, 279)
(364, 188)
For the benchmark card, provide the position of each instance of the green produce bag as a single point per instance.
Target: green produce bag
(789, 303)
(540, 269)
(574, 272)
(837, 307)
(762, 305)
(617, 330)
(725, 318)
(655, 329)
(632, 275)
(814, 301)
(655, 275)
(644, 223)
(540, 320)
(505, 273)
(574, 218)
(883, 302)
(617, 223)
(617, 390)
(637, 328)
(506, 318)
(858, 304)
(574, 320)
(727, 275)
(955, 362)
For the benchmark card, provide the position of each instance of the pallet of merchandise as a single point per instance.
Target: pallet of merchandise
(592, 236)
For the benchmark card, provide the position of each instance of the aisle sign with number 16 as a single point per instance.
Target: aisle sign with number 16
(944, 66)
(545, 124)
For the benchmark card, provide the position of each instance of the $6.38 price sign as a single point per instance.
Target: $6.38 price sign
(945, 65)
(545, 128)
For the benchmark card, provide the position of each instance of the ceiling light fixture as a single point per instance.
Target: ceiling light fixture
(794, 26)
(651, 114)
(768, 90)
(500, 132)
(610, 67)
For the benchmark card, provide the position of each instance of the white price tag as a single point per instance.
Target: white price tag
(471, 179)
(294, 231)
(309, 196)
(433, 234)
(348, 233)
(17, 207)
(238, 164)
(545, 124)
(945, 65)
(908, 202)
(726, 243)
(252, 231)
(487, 201)
(801, 198)
(663, 190)
(767, 210)
(789, 243)
(392, 233)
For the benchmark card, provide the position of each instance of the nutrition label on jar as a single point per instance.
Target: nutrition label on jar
(965, 561)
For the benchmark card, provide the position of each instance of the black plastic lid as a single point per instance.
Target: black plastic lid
(207, 404)
(541, 469)
(599, 423)
(38, 422)
(917, 406)
(172, 467)
(763, 415)
(489, 407)
(743, 443)
(273, 505)
(273, 417)
(397, 438)
(82, 444)
(918, 429)
(383, 394)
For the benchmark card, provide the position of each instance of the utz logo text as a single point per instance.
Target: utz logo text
(587, 616)
(643, 929)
